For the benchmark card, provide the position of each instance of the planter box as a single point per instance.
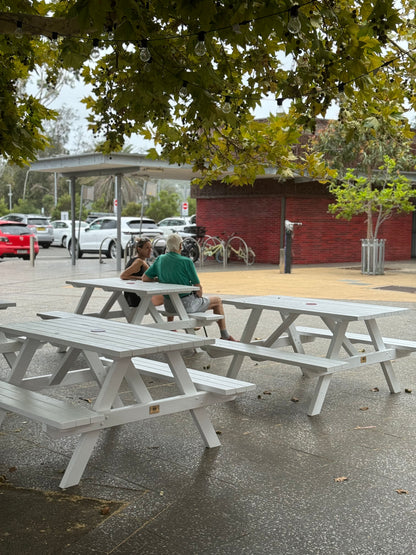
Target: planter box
(372, 256)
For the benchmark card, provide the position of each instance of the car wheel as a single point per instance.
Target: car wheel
(112, 251)
(79, 253)
(63, 242)
(46, 245)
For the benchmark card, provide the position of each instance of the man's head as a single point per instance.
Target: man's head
(174, 243)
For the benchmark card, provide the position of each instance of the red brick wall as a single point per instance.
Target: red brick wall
(321, 238)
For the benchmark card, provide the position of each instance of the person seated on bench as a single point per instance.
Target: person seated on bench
(135, 268)
(174, 268)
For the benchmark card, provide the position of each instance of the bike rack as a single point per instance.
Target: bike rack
(245, 248)
(101, 246)
(201, 256)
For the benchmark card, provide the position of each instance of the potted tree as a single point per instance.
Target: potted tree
(379, 198)
(365, 149)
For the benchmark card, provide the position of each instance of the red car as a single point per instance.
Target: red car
(15, 240)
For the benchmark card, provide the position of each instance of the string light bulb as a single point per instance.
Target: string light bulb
(18, 33)
(144, 52)
(226, 107)
(95, 52)
(280, 110)
(294, 25)
(200, 47)
(183, 91)
(54, 41)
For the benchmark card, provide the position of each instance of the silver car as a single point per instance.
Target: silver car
(36, 223)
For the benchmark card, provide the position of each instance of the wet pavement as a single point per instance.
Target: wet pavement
(284, 483)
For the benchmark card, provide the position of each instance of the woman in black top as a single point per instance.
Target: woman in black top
(135, 268)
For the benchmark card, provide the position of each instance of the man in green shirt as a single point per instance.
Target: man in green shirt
(172, 267)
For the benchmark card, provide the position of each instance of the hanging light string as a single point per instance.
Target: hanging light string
(111, 39)
(146, 55)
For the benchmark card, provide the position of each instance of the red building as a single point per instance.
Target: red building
(258, 214)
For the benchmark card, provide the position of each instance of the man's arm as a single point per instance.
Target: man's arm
(147, 278)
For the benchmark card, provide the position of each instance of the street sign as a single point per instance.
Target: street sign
(184, 209)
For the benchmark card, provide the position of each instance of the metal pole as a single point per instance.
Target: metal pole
(73, 240)
(117, 196)
(10, 197)
(55, 188)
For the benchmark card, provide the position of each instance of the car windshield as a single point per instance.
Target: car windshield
(37, 221)
(137, 224)
(14, 229)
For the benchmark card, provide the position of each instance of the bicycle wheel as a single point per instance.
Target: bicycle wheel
(237, 249)
(158, 248)
(210, 248)
(251, 257)
(190, 248)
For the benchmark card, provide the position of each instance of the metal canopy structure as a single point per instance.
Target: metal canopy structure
(86, 165)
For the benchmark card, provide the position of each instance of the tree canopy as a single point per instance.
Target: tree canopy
(181, 72)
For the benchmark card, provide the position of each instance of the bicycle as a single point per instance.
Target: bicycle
(235, 248)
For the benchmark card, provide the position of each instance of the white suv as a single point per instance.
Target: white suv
(101, 234)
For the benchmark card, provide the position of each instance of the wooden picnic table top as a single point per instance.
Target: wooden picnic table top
(107, 337)
(343, 310)
(135, 286)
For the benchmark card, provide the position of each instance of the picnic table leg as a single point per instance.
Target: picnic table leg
(246, 336)
(110, 303)
(106, 398)
(319, 394)
(79, 459)
(20, 365)
(387, 367)
(85, 297)
(186, 385)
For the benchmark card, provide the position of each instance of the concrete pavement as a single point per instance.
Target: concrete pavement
(283, 483)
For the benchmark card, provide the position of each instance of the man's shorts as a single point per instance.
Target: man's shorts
(191, 302)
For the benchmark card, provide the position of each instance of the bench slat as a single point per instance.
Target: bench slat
(202, 316)
(42, 408)
(203, 380)
(313, 363)
(357, 338)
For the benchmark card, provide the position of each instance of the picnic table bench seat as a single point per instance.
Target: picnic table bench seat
(318, 365)
(204, 381)
(400, 344)
(56, 413)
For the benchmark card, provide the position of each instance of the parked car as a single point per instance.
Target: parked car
(101, 234)
(62, 231)
(15, 240)
(37, 223)
(174, 225)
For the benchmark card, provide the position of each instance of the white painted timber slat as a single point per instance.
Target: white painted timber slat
(47, 410)
(203, 380)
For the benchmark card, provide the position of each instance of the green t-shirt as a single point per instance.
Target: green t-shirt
(173, 268)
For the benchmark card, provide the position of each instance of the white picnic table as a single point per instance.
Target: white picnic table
(341, 354)
(145, 290)
(114, 352)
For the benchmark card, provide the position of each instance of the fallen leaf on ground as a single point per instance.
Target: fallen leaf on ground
(341, 479)
(407, 390)
(12, 469)
(363, 427)
(267, 392)
(402, 491)
(105, 510)
(375, 389)
(363, 408)
(295, 399)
